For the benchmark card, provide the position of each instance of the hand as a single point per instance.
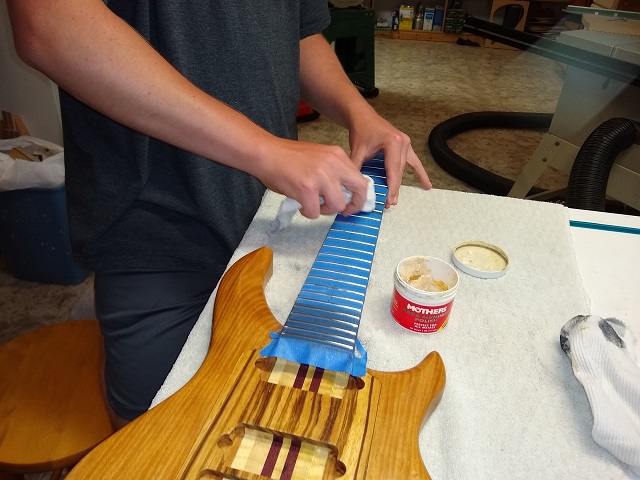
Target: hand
(305, 171)
(373, 133)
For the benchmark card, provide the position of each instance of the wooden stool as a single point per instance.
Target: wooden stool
(52, 409)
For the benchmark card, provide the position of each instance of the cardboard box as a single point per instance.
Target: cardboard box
(607, 24)
(626, 5)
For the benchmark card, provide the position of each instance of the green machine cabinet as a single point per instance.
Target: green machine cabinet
(352, 32)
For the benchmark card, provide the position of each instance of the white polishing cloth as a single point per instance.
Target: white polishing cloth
(289, 206)
(512, 407)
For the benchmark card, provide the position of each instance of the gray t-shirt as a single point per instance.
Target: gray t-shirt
(135, 202)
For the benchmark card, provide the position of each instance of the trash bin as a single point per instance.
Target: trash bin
(34, 229)
(34, 236)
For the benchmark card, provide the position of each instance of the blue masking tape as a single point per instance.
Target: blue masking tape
(330, 358)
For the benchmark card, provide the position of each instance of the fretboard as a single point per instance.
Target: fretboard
(322, 328)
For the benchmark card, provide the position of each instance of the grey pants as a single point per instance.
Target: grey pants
(145, 317)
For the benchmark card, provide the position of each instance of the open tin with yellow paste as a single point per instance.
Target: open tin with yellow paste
(423, 295)
(480, 259)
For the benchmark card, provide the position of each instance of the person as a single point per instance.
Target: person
(176, 117)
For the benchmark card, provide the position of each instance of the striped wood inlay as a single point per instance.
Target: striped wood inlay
(307, 377)
(280, 458)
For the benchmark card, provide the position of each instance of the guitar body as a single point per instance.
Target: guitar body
(247, 417)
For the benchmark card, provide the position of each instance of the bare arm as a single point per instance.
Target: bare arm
(95, 56)
(328, 89)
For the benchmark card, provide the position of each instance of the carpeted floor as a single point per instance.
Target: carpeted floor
(421, 84)
(424, 83)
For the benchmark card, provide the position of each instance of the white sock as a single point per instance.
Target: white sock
(602, 353)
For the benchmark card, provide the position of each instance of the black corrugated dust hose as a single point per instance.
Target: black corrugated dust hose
(466, 171)
(589, 175)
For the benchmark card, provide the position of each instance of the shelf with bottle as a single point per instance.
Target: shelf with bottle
(435, 21)
(542, 13)
(424, 21)
(419, 17)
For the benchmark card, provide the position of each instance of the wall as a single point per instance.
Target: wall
(24, 91)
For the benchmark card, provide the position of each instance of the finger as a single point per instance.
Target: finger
(418, 168)
(356, 204)
(358, 186)
(394, 161)
(334, 201)
(310, 202)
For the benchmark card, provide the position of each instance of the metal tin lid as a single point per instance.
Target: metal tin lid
(480, 259)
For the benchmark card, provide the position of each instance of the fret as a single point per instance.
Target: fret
(366, 230)
(336, 290)
(337, 275)
(355, 219)
(329, 313)
(317, 300)
(348, 248)
(352, 242)
(345, 252)
(355, 263)
(381, 198)
(309, 291)
(315, 325)
(375, 172)
(322, 339)
(349, 327)
(321, 332)
(349, 287)
(325, 329)
(341, 268)
(357, 241)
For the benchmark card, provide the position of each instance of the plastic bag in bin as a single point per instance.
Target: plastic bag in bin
(27, 162)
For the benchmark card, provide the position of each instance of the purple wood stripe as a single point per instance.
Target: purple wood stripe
(290, 462)
(302, 373)
(315, 381)
(272, 457)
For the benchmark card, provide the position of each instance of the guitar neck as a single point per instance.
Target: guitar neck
(328, 309)
(329, 306)
(322, 328)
